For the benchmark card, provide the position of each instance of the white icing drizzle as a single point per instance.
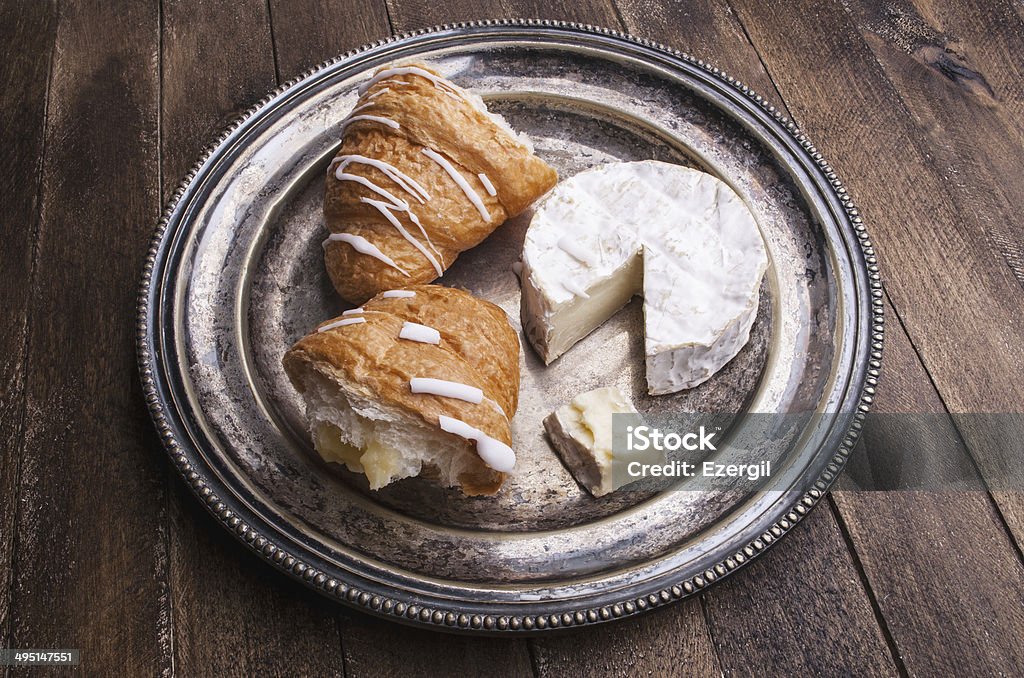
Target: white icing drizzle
(364, 246)
(487, 184)
(341, 323)
(420, 333)
(409, 70)
(394, 203)
(574, 250)
(398, 294)
(460, 180)
(573, 286)
(492, 451)
(385, 210)
(446, 389)
(363, 181)
(408, 184)
(374, 95)
(361, 107)
(374, 118)
(353, 311)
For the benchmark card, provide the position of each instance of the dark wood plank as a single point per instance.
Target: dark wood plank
(920, 549)
(236, 616)
(662, 643)
(981, 48)
(706, 30)
(800, 609)
(90, 568)
(231, 614)
(378, 648)
(209, 75)
(309, 32)
(27, 39)
(972, 125)
(965, 94)
(411, 15)
(955, 293)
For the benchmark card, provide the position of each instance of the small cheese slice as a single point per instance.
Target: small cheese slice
(582, 434)
(678, 236)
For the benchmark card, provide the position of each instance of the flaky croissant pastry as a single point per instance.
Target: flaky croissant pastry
(424, 172)
(425, 378)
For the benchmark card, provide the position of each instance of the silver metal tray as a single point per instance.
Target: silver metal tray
(235, 276)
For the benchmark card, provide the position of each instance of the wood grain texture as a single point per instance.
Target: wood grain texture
(954, 293)
(90, 568)
(377, 648)
(799, 609)
(972, 126)
(209, 76)
(24, 77)
(967, 100)
(236, 616)
(309, 32)
(232, 615)
(666, 642)
(917, 548)
(411, 15)
(705, 30)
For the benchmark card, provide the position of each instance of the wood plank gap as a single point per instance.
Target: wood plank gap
(764, 66)
(166, 529)
(387, 15)
(160, 110)
(534, 660)
(961, 438)
(619, 17)
(865, 583)
(341, 644)
(8, 633)
(709, 626)
(273, 43)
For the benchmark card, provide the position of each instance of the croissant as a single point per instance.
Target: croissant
(424, 378)
(424, 173)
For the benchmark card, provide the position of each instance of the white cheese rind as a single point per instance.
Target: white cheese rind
(698, 246)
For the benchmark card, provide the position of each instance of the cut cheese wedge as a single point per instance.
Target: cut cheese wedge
(582, 433)
(680, 237)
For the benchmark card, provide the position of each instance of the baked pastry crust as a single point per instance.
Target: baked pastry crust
(368, 362)
(415, 121)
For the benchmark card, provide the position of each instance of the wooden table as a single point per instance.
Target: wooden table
(919, 104)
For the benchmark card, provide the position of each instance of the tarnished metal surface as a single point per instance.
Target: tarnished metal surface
(237, 276)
